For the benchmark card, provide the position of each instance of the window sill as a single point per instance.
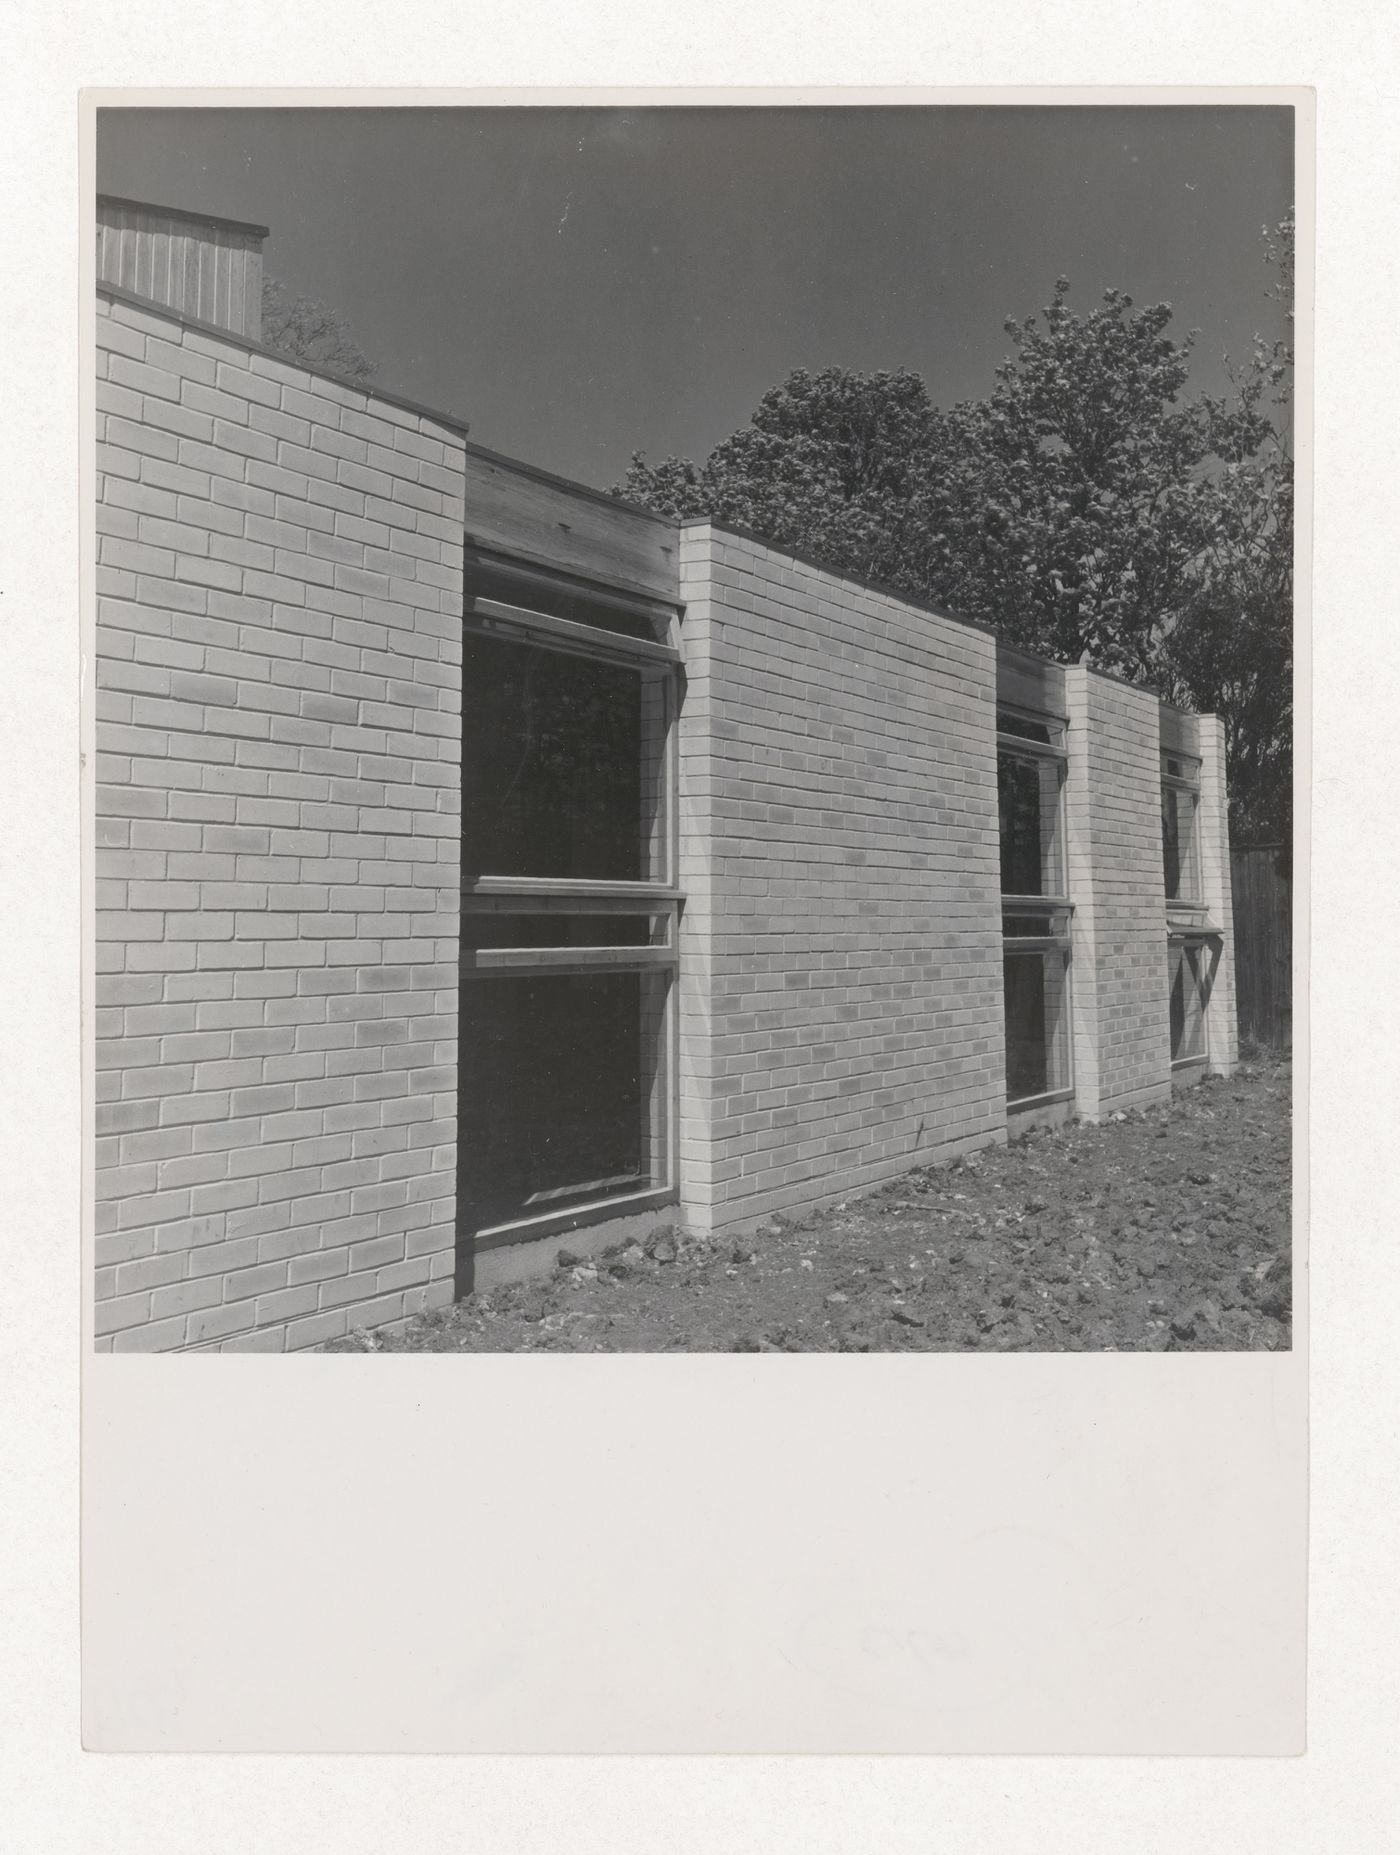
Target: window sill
(1191, 924)
(1025, 1103)
(552, 1223)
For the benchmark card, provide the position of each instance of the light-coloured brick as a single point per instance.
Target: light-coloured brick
(220, 565)
(839, 855)
(279, 668)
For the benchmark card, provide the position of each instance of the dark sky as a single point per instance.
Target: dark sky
(582, 282)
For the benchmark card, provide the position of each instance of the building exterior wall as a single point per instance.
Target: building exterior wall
(841, 958)
(1122, 1033)
(704, 1173)
(278, 701)
(277, 822)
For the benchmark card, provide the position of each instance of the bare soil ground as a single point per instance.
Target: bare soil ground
(1166, 1229)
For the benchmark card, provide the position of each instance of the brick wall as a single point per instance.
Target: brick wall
(841, 1006)
(278, 704)
(278, 694)
(1122, 1037)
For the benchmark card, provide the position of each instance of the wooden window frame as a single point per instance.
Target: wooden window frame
(1057, 726)
(1191, 911)
(1057, 909)
(1200, 941)
(487, 894)
(1060, 945)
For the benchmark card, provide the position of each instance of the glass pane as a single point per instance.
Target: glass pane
(562, 765)
(1007, 723)
(563, 1096)
(1032, 844)
(1188, 1018)
(550, 928)
(1035, 927)
(1037, 1024)
(1180, 868)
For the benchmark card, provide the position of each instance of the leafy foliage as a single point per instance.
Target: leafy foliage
(832, 464)
(1072, 530)
(1231, 650)
(1086, 509)
(309, 331)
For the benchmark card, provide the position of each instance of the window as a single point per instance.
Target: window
(561, 764)
(1181, 854)
(1190, 989)
(1188, 925)
(564, 1092)
(1036, 987)
(1036, 909)
(1032, 838)
(569, 913)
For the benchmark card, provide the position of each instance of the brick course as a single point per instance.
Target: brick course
(278, 692)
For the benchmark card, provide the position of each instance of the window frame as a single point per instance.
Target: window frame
(1190, 910)
(1057, 910)
(484, 894)
(1184, 942)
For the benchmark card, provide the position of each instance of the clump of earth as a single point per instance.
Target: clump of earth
(1166, 1229)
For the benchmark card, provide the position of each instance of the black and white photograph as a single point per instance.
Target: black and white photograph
(698, 806)
(694, 728)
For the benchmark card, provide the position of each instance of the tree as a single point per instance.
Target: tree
(1086, 509)
(1057, 510)
(1072, 496)
(309, 331)
(1231, 650)
(831, 464)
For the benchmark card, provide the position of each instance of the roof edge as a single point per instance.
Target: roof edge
(150, 307)
(571, 484)
(887, 591)
(863, 581)
(459, 425)
(450, 419)
(184, 212)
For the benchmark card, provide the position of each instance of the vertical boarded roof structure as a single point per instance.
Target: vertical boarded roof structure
(197, 265)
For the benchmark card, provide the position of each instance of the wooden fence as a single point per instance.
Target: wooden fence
(1262, 882)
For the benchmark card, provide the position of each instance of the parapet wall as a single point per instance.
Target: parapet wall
(278, 695)
(841, 958)
(1119, 973)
